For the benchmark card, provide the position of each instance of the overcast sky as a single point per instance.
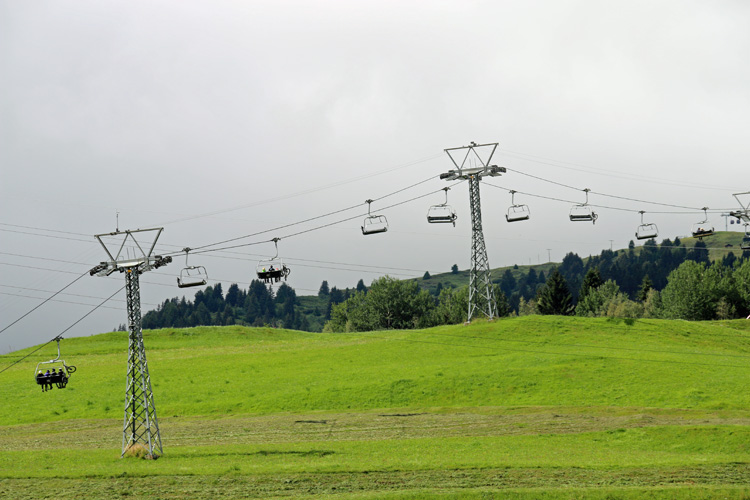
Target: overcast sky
(226, 118)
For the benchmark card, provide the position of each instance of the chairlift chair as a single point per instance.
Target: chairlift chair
(374, 224)
(703, 228)
(442, 213)
(517, 213)
(191, 275)
(745, 244)
(273, 270)
(59, 375)
(583, 212)
(646, 231)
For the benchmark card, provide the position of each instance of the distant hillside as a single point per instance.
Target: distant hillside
(282, 308)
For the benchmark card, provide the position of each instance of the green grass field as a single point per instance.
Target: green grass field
(528, 407)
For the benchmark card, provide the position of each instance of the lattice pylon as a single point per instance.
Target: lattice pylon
(481, 293)
(140, 426)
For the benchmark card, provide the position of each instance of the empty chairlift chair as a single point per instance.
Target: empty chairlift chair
(191, 275)
(443, 213)
(374, 224)
(745, 244)
(703, 228)
(646, 231)
(517, 213)
(272, 270)
(583, 212)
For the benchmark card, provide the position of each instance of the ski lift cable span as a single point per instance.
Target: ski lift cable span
(606, 207)
(308, 219)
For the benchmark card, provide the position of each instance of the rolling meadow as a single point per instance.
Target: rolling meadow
(523, 407)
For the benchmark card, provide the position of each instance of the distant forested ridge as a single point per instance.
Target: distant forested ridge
(656, 280)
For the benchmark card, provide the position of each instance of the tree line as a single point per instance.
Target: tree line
(666, 280)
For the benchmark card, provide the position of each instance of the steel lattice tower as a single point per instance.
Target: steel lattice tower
(140, 430)
(140, 426)
(481, 294)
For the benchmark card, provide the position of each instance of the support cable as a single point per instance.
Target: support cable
(44, 302)
(605, 194)
(597, 205)
(594, 170)
(300, 193)
(305, 220)
(307, 230)
(61, 333)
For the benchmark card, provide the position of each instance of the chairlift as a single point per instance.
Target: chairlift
(59, 375)
(517, 212)
(583, 212)
(374, 224)
(703, 228)
(646, 231)
(745, 244)
(273, 270)
(442, 213)
(191, 275)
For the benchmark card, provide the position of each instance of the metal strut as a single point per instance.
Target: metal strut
(140, 425)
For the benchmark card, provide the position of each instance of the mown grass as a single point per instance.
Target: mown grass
(531, 406)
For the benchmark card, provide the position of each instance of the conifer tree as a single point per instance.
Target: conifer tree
(646, 285)
(591, 281)
(554, 297)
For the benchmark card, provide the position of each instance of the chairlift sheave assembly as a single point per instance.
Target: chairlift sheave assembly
(517, 213)
(443, 213)
(703, 228)
(583, 212)
(191, 275)
(646, 231)
(374, 224)
(273, 270)
(59, 375)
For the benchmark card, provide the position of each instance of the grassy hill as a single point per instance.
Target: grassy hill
(523, 407)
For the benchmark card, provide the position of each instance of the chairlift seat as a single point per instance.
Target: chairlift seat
(441, 214)
(701, 231)
(646, 231)
(60, 378)
(745, 244)
(192, 276)
(272, 271)
(583, 213)
(518, 213)
(375, 224)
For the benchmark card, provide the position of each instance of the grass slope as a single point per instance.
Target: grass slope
(529, 406)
